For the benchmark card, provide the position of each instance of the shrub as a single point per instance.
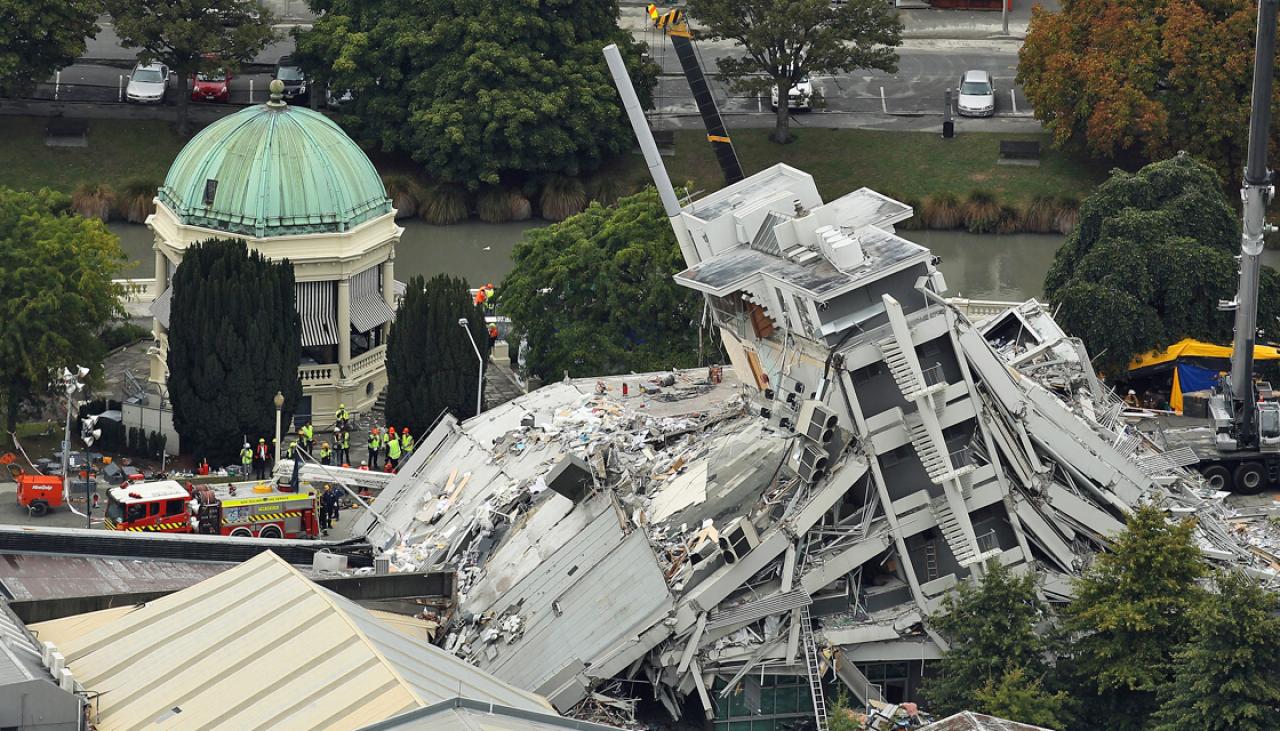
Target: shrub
(494, 205)
(136, 200)
(916, 222)
(1068, 214)
(443, 204)
(1009, 220)
(93, 200)
(125, 333)
(521, 208)
(607, 189)
(405, 194)
(941, 211)
(981, 213)
(1041, 215)
(562, 197)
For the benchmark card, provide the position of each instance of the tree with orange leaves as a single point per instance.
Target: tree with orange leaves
(1144, 78)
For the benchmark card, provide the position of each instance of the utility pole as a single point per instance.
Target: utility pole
(1004, 15)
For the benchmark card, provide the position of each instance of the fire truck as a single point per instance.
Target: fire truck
(243, 510)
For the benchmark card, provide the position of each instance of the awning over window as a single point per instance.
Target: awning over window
(160, 306)
(316, 303)
(368, 308)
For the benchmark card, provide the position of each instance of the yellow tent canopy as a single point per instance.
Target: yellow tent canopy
(1188, 348)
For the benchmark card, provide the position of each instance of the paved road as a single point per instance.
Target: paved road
(939, 47)
(98, 82)
(925, 70)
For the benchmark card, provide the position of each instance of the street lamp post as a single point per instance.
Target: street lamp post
(463, 323)
(71, 383)
(279, 402)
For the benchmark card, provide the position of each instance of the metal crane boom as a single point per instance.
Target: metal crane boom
(673, 24)
(1256, 192)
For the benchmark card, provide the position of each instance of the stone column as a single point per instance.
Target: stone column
(162, 271)
(344, 326)
(389, 289)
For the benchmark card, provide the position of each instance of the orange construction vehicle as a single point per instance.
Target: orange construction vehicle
(243, 510)
(37, 493)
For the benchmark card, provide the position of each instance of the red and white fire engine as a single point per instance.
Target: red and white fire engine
(245, 510)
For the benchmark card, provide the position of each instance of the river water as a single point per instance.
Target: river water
(1010, 267)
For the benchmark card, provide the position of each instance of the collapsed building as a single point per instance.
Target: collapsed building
(739, 539)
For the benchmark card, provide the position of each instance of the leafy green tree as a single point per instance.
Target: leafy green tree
(1144, 77)
(842, 717)
(1228, 675)
(192, 35)
(594, 294)
(235, 339)
(1149, 260)
(1133, 609)
(992, 630)
(1020, 697)
(56, 293)
(38, 37)
(787, 41)
(431, 364)
(481, 92)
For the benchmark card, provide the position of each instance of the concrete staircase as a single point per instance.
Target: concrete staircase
(953, 532)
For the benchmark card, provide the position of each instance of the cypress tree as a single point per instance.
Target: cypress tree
(234, 341)
(431, 365)
(1227, 677)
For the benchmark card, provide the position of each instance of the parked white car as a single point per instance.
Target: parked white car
(800, 96)
(148, 83)
(976, 96)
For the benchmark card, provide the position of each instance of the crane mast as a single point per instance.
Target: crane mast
(674, 25)
(1255, 193)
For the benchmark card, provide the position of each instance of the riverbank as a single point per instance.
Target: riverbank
(942, 179)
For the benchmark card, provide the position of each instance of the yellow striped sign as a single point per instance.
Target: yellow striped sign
(157, 527)
(265, 517)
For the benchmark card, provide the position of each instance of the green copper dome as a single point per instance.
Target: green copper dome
(274, 170)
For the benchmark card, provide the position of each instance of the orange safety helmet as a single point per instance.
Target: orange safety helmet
(391, 430)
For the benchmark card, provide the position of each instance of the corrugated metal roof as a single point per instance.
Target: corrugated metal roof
(19, 653)
(462, 714)
(35, 576)
(261, 646)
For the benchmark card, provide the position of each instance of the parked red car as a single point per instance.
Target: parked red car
(211, 86)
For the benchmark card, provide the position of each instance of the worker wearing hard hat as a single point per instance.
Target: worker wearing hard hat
(246, 458)
(1131, 400)
(406, 442)
(261, 459)
(393, 448)
(326, 454)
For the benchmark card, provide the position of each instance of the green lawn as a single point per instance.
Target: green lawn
(119, 151)
(909, 165)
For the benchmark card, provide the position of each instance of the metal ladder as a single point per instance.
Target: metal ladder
(930, 561)
(812, 663)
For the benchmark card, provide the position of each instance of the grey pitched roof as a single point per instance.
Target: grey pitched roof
(464, 714)
(19, 652)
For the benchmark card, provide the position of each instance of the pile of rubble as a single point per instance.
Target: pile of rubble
(741, 537)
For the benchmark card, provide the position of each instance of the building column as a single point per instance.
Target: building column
(162, 271)
(344, 326)
(389, 289)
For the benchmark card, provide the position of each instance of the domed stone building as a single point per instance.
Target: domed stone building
(292, 185)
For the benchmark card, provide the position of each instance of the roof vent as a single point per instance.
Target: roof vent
(840, 248)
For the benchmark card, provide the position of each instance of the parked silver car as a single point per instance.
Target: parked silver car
(148, 83)
(976, 96)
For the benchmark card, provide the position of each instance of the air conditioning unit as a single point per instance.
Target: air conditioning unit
(737, 540)
(817, 422)
(810, 462)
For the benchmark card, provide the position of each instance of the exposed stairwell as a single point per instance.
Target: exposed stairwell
(953, 532)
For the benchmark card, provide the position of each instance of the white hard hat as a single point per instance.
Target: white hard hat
(1132, 392)
(246, 445)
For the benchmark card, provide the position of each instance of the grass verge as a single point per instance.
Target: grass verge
(119, 152)
(909, 165)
